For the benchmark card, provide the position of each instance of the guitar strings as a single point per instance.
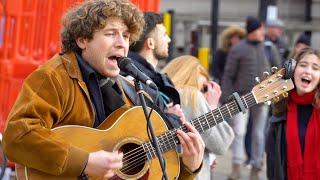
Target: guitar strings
(124, 169)
(139, 163)
(128, 166)
(197, 118)
(200, 118)
(248, 103)
(169, 143)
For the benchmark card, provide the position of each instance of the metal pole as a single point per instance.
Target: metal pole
(308, 11)
(214, 31)
(172, 35)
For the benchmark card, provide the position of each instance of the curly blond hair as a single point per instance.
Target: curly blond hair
(92, 15)
(228, 33)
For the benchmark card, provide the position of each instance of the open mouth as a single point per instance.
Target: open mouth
(305, 80)
(116, 58)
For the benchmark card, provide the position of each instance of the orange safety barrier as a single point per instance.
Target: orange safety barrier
(147, 5)
(18, 27)
(29, 36)
(17, 38)
(11, 79)
(48, 20)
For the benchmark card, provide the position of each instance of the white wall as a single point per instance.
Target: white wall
(235, 10)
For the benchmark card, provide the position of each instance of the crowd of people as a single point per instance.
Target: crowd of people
(83, 86)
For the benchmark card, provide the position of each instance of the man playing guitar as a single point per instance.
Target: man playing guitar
(67, 90)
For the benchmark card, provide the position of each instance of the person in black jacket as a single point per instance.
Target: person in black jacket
(152, 46)
(293, 138)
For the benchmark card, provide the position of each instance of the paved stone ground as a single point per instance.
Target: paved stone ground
(223, 169)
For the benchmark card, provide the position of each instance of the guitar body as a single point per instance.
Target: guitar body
(125, 130)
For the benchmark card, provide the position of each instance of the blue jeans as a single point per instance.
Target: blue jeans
(259, 115)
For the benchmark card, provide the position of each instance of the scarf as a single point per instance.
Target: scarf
(306, 167)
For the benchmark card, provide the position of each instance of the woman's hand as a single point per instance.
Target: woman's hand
(176, 110)
(213, 94)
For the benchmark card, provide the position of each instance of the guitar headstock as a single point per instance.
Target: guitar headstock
(272, 87)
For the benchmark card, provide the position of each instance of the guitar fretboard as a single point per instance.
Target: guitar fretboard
(169, 140)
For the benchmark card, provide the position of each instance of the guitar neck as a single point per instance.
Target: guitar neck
(216, 116)
(169, 140)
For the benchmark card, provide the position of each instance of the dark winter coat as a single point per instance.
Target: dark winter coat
(245, 62)
(276, 149)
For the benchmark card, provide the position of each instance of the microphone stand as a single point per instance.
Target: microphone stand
(155, 143)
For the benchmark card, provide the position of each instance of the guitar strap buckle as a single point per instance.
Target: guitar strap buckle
(239, 102)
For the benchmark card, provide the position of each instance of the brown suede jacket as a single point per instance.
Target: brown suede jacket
(52, 96)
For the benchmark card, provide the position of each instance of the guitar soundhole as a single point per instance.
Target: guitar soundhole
(133, 160)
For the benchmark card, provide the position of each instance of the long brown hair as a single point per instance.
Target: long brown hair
(281, 107)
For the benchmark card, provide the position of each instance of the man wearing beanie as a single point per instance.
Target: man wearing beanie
(245, 61)
(252, 24)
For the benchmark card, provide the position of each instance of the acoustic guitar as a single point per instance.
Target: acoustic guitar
(125, 130)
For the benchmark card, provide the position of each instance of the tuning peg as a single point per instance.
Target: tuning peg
(285, 94)
(257, 79)
(265, 74)
(275, 92)
(267, 103)
(276, 99)
(274, 69)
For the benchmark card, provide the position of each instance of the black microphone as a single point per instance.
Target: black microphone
(126, 65)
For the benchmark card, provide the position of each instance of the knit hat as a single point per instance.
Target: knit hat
(252, 23)
(304, 38)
